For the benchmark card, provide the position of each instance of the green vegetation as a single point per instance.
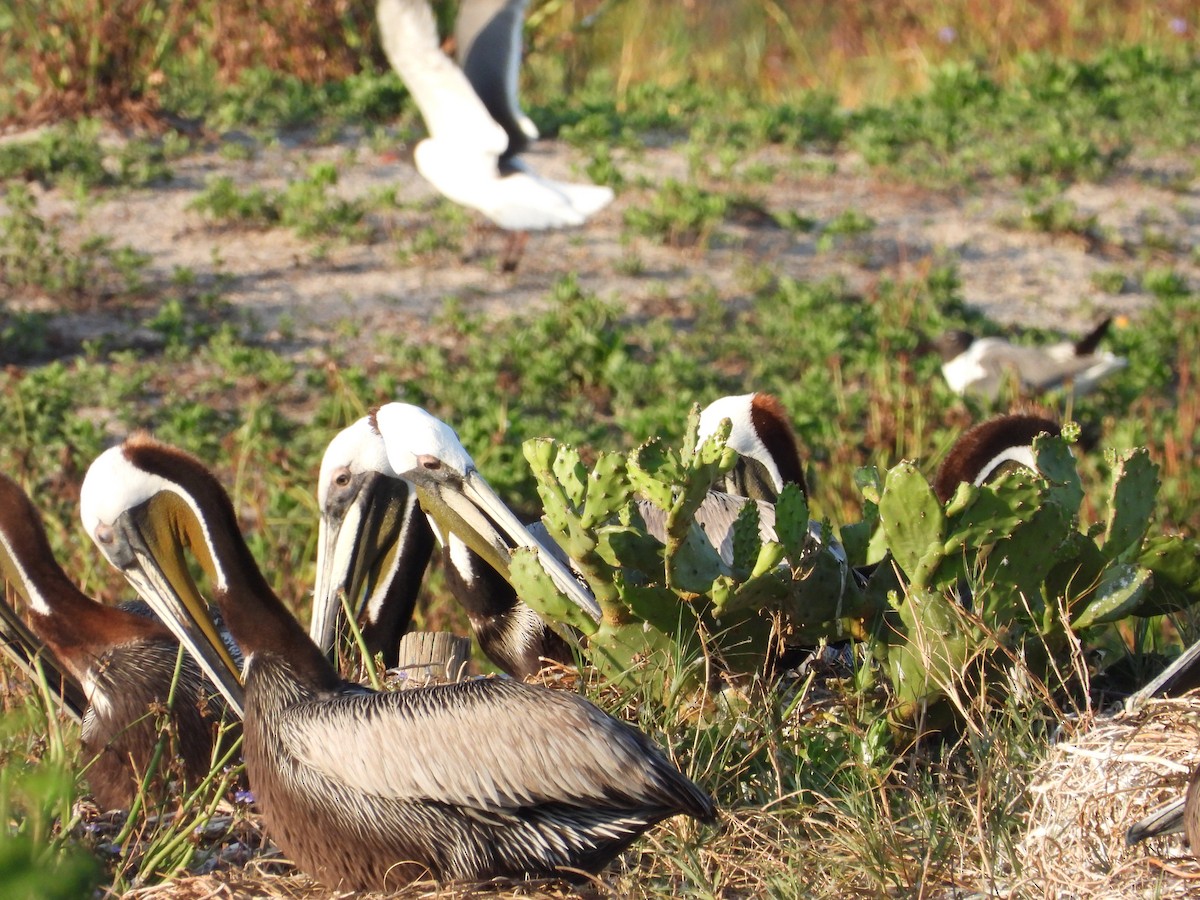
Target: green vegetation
(826, 791)
(305, 205)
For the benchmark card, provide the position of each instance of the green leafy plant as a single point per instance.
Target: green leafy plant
(305, 204)
(1003, 573)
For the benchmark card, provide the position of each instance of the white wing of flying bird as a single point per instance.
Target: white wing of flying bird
(468, 156)
(487, 39)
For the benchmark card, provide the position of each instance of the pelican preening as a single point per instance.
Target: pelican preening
(365, 790)
(768, 457)
(375, 546)
(981, 365)
(989, 449)
(368, 550)
(123, 663)
(476, 129)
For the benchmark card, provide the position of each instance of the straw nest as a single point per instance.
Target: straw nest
(1093, 787)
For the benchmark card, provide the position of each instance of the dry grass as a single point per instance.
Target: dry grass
(1093, 787)
(82, 57)
(860, 51)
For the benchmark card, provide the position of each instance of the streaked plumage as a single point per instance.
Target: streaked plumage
(469, 156)
(989, 449)
(123, 663)
(368, 791)
(981, 365)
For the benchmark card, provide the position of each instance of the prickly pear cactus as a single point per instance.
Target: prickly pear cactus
(675, 605)
(1005, 572)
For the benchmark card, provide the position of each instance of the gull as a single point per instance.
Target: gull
(981, 365)
(476, 127)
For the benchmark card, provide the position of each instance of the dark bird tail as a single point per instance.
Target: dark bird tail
(1087, 344)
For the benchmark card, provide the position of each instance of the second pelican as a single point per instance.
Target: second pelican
(365, 790)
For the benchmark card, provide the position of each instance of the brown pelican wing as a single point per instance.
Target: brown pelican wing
(542, 748)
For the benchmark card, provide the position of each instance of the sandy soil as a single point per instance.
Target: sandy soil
(295, 290)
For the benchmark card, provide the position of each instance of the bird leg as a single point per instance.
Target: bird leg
(514, 249)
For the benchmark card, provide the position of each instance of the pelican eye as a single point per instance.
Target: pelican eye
(104, 534)
(432, 463)
(342, 478)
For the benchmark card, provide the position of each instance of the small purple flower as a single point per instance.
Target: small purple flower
(1178, 25)
(246, 797)
(946, 34)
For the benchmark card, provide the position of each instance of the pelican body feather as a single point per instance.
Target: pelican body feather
(369, 790)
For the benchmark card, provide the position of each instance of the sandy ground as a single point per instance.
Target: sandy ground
(295, 290)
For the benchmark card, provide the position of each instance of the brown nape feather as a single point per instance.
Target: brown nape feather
(980, 445)
(1087, 344)
(126, 661)
(771, 423)
(264, 625)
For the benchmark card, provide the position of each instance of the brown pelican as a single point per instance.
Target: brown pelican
(981, 365)
(768, 460)
(122, 662)
(990, 449)
(1179, 815)
(354, 522)
(374, 542)
(768, 457)
(365, 790)
(471, 154)
(27, 652)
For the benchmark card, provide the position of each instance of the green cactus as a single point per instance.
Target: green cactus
(1175, 564)
(791, 522)
(856, 537)
(1057, 468)
(913, 523)
(1001, 570)
(1071, 583)
(1122, 588)
(1131, 504)
(932, 655)
(540, 593)
(747, 544)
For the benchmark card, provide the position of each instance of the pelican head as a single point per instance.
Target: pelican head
(762, 436)
(372, 543)
(426, 451)
(142, 520)
(990, 449)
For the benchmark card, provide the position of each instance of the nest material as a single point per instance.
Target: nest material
(1093, 787)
